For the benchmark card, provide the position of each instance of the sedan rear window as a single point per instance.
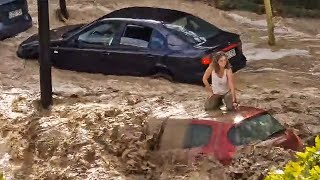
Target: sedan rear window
(193, 29)
(260, 127)
(197, 135)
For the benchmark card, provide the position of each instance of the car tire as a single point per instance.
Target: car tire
(162, 75)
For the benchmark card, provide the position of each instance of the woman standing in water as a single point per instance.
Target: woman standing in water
(222, 87)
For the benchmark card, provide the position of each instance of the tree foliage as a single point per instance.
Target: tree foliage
(306, 166)
(287, 8)
(2, 177)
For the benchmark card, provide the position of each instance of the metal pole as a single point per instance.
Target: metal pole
(267, 5)
(44, 59)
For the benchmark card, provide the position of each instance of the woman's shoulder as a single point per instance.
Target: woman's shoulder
(228, 71)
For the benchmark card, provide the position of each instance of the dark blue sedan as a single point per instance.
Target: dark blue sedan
(140, 41)
(14, 17)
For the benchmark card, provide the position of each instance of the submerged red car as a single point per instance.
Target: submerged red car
(221, 134)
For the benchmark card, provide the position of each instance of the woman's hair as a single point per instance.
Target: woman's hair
(215, 59)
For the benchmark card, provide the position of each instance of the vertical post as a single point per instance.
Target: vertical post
(44, 59)
(267, 5)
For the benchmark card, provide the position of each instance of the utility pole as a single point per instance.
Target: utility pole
(44, 59)
(267, 5)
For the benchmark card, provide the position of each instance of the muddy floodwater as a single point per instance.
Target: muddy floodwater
(96, 127)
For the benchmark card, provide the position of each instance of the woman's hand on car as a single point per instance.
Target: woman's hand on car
(235, 105)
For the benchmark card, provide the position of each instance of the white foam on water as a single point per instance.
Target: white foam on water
(67, 88)
(6, 100)
(252, 53)
(262, 25)
(176, 110)
(5, 166)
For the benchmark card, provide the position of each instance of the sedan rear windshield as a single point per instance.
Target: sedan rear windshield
(193, 29)
(260, 127)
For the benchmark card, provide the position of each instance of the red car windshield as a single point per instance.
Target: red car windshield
(260, 127)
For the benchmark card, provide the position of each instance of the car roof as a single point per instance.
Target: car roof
(2, 2)
(232, 117)
(132, 20)
(147, 13)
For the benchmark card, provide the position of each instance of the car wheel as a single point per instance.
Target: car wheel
(162, 75)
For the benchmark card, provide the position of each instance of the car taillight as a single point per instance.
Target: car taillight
(231, 46)
(205, 60)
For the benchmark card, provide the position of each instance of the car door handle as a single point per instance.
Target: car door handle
(106, 53)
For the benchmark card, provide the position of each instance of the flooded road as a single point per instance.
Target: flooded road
(72, 139)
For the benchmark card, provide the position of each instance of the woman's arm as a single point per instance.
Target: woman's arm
(205, 78)
(231, 85)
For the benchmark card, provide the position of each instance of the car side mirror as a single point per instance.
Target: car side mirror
(74, 42)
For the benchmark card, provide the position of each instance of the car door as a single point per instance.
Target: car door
(138, 50)
(87, 50)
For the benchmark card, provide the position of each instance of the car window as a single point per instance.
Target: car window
(102, 34)
(142, 36)
(257, 128)
(157, 40)
(197, 135)
(138, 36)
(185, 34)
(193, 29)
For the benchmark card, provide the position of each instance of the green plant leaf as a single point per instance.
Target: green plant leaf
(311, 149)
(306, 167)
(317, 142)
(302, 155)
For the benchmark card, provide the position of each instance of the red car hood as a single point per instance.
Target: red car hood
(287, 140)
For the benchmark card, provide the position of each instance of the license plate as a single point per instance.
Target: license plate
(231, 53)
(15, 13)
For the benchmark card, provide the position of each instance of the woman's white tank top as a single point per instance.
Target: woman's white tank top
(219, 85)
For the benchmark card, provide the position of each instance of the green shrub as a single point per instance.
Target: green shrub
(225, 4)
(286, 8)
(305, 167)
(289, 11)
